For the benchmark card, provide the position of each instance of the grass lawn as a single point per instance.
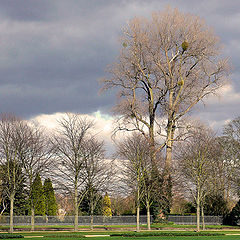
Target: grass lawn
(68, 234)
(80, 235)
(148, 238)
(69, 237)
(154, 226)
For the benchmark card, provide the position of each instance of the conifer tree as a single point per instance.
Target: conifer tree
(107, 211)
(50, 199)
(38, 197)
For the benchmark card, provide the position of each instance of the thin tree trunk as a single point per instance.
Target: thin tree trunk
(75, 210)
(91, 222)
(32, 218)
(138, 218)
(11, 212)
(203, 222)
(91, 214)
(148, 215)
(198, 214)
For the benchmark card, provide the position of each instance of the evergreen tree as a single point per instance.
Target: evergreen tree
(107, 211)
(50, 199)
(38, 196)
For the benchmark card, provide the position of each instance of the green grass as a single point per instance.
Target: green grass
(155, 225)
(74, 237)
(80, 235)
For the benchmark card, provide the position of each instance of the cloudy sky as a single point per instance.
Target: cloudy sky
(53, 52)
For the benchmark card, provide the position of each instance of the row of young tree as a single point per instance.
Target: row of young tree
(206, 169)
(72, 156)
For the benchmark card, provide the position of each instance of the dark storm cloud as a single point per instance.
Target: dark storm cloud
(25, 10)
(52, 52)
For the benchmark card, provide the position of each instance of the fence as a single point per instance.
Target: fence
(101, 220)
(192, 220)
(69, 220)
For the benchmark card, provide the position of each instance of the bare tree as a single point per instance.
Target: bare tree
(136, 171)
(34, 153)
(230, 143)
(166, 66)
(195, 164)
(9, 162)
(97, 172)
(70, 142)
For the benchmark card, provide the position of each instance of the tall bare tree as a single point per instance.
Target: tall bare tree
(166, 66)
(70, 142)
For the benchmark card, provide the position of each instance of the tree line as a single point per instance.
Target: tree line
(205, 171)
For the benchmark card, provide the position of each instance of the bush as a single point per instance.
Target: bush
(167, 234)
(9, 235)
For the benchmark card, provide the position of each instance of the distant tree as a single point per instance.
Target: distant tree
(38, 197)
(50, 199)
(107, 211)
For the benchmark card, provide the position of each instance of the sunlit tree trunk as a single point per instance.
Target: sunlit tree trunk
(203, 222)
(32, 217)
(198, 211)
(138, 209)
(11, 212)
(92, 209)
(148, 215)
(75, 209)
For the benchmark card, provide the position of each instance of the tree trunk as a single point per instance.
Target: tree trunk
(198, 214)
(75, 210)
(148, 215)
(169, 144)
(32, 218)
(11, 212)
(203, 222)
(92, 214)
(138, 218)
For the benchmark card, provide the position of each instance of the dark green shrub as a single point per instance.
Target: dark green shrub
(9, 235)
(167, 234)
(233, 218)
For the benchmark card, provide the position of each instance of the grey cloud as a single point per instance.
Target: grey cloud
(52, 52)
